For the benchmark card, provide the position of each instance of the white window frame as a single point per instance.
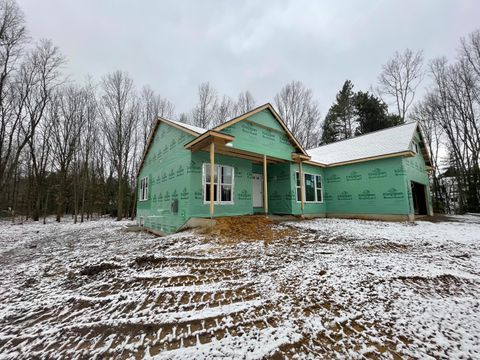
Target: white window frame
(219, 184)
(143, 190)
(316, 176)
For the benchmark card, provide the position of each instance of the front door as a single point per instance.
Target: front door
(257, 185)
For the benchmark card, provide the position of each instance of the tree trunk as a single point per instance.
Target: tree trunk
(120, 197)
(45, 209)
(38, 204)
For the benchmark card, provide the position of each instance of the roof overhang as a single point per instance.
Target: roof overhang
(354, 161)
(208, 138)
(424, 148)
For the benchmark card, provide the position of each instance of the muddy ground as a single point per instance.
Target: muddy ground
(297, 290)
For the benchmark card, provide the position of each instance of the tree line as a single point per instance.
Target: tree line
(74, 148)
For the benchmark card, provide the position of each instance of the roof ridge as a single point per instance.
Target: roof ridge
(370, 133)
(214, 127)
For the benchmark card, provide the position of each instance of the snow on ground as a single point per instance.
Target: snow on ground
(331, 288)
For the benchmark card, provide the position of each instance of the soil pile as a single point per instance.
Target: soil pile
(248, 228)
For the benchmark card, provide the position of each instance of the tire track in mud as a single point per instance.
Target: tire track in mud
(151, 306)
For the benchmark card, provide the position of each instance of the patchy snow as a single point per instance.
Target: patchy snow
(332, 289)
(382, 142)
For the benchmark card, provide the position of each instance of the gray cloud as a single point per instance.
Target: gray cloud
(237, 45)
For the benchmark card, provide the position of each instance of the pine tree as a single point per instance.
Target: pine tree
(339, 122)
(372, 114)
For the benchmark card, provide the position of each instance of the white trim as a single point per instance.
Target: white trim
(316, 188)
(143, 189)
(219, 184)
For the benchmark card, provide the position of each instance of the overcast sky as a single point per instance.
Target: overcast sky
(238, 45)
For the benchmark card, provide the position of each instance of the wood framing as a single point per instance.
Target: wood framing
(300, 157)
(208, 138)
(212, 180)
(265, 188)
(302, 193)
(226, 150)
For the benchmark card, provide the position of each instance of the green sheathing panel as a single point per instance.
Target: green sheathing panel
(415, 170)
(242, 188)
(279, 186)
(372, 187)
(261, 133)
(309, 208)
(168, 168)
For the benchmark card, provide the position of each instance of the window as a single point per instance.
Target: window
(298, 187)
(415, 147)
(143, 189)
(312, 188)
(222, 184)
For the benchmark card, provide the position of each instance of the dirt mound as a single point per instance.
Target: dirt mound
(247, 228)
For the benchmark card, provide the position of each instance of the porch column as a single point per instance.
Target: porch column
(265, 190)
(302, 193)
(212, 181)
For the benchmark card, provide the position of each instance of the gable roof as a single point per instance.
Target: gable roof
(198, 131)
(277, 117)
(393, 141)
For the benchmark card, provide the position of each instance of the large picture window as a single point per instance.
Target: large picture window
(143, 189)
(222, 184)
(312, 187)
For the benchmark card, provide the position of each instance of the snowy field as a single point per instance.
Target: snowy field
(331, 289)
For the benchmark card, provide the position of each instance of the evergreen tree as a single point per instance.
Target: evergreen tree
(329, 133)
(372, 114)
(339, 122)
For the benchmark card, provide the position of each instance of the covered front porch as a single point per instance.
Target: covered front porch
(270, 185)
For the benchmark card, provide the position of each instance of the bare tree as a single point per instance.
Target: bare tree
(225, 111)
(400, 78)
(40, 156)
(456, 105)
(12, 41)
(425, 112)
(300, 111)
(43, 71)
(245, 103)
(67, 117)
(183, 117)
(87, 141)
(204, 113)
(151, 106)
(119, 123)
